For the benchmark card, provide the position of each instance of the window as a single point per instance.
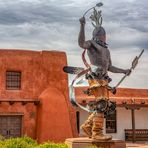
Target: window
(111, 123)
(13, 80)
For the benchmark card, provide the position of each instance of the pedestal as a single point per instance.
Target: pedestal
(87, 142)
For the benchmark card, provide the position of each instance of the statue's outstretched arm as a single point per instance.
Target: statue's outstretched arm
(116, 70)
(81, 39)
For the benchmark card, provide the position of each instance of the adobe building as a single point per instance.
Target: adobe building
(131, 113)
(34, 96)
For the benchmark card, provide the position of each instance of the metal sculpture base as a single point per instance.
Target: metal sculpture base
(87, 142)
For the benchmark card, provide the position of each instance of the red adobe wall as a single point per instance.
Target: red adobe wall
(43, 78)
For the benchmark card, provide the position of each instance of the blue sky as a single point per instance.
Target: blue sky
(54, 25)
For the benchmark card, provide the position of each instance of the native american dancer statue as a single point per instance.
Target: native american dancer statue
(98, 79)
(96, 74)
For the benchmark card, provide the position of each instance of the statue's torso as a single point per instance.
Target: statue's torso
(99, 58)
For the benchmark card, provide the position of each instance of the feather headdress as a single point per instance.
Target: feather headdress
(96, 18)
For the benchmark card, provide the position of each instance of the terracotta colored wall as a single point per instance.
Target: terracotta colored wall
(40, 70)
(53, 115)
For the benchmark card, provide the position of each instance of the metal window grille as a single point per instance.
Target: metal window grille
(111, 122)
(13, 80)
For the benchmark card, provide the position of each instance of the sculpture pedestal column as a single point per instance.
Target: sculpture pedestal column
(86, 142)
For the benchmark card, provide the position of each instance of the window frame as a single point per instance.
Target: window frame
(13, 80)
(111, 121)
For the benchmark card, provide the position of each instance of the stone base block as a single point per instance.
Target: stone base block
(87, 143)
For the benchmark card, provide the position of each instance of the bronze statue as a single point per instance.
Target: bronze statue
(96, 74)
(98, 78)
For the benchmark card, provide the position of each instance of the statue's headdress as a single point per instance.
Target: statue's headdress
(99, 31)
(96, 18)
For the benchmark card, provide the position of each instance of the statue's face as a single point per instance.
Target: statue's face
(100, 37)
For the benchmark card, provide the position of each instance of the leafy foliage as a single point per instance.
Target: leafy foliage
(52, 145)
(26, 142)
(1, 137)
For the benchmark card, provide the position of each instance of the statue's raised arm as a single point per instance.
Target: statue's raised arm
(81, 39)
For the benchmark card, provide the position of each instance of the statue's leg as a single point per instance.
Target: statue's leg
(87, 125)
(93, 126)
(97, 129)
(99, 90)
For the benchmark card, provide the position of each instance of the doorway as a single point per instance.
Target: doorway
(10, 125)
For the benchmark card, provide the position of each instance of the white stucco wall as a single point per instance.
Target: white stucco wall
(124, 120)
(83, 116)
(142, 118)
